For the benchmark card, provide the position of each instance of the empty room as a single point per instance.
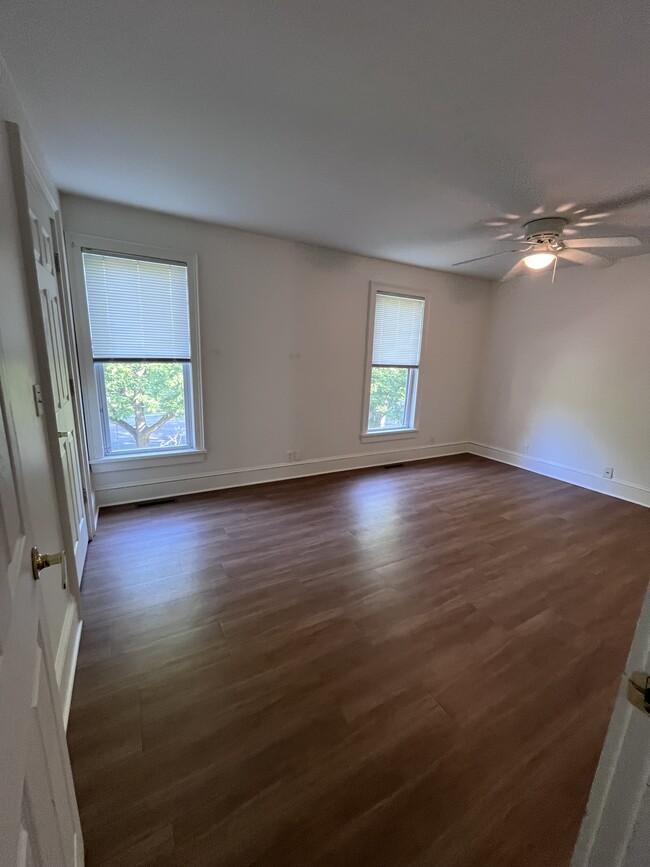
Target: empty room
(324, 434)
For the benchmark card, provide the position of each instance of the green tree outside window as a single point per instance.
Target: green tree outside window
(136, 391)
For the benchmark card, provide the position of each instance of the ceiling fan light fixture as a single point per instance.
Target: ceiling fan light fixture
(538, 261)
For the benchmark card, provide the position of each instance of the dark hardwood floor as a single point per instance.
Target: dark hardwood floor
(410, 666)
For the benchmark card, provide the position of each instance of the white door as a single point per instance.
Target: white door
(39, 822)
(37, 218)
(616, 829)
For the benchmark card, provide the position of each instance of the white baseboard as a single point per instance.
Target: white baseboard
(613, 487)
(65, 663)
(195, 483)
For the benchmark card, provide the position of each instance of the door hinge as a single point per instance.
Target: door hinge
(71, 384)
(38, 399)
(638, 690)
(57, 263)
(84, 494)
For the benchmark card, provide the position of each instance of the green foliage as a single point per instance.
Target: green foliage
(387, 397)
(140, 389)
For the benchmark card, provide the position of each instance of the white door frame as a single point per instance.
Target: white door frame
(92, 509)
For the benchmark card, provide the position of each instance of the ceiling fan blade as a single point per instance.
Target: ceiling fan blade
(516, 269)
(479, 258)
(625, 241)
(617, 203)
(580, 257)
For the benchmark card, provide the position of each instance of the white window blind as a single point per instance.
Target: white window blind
(138, 308)
(398, 330)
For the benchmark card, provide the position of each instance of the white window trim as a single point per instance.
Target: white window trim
(100, 462)
(130, 462)
(367, 436)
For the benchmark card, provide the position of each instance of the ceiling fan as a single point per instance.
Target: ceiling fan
(545, 245)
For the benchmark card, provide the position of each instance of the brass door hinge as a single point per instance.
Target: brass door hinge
(638, 690)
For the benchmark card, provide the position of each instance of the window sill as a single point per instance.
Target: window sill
(143, 462)
(407, 434)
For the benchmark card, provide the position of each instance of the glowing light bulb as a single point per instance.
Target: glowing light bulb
(537, 261)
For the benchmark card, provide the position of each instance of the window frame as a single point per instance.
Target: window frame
(91, 398)
(414, 384)
(135, 451)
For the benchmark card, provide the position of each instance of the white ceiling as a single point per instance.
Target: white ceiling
(394, 129)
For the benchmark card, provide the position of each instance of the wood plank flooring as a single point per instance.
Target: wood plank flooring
(410, 666)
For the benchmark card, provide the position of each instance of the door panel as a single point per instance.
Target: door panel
(59, 371)
(39, 821)
(68, 447)
(37, 216)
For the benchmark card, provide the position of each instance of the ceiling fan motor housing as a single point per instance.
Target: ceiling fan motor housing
(545, 232)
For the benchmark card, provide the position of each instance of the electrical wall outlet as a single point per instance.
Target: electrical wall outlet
(525, 448)
(608, 472)
(290, 455)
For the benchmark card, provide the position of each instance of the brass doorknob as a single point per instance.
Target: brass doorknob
(42, 561)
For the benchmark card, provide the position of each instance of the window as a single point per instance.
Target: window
(140, 363)
(394, 360)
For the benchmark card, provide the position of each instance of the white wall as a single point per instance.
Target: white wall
(565, 387)
(12, 110)
(283, 333)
